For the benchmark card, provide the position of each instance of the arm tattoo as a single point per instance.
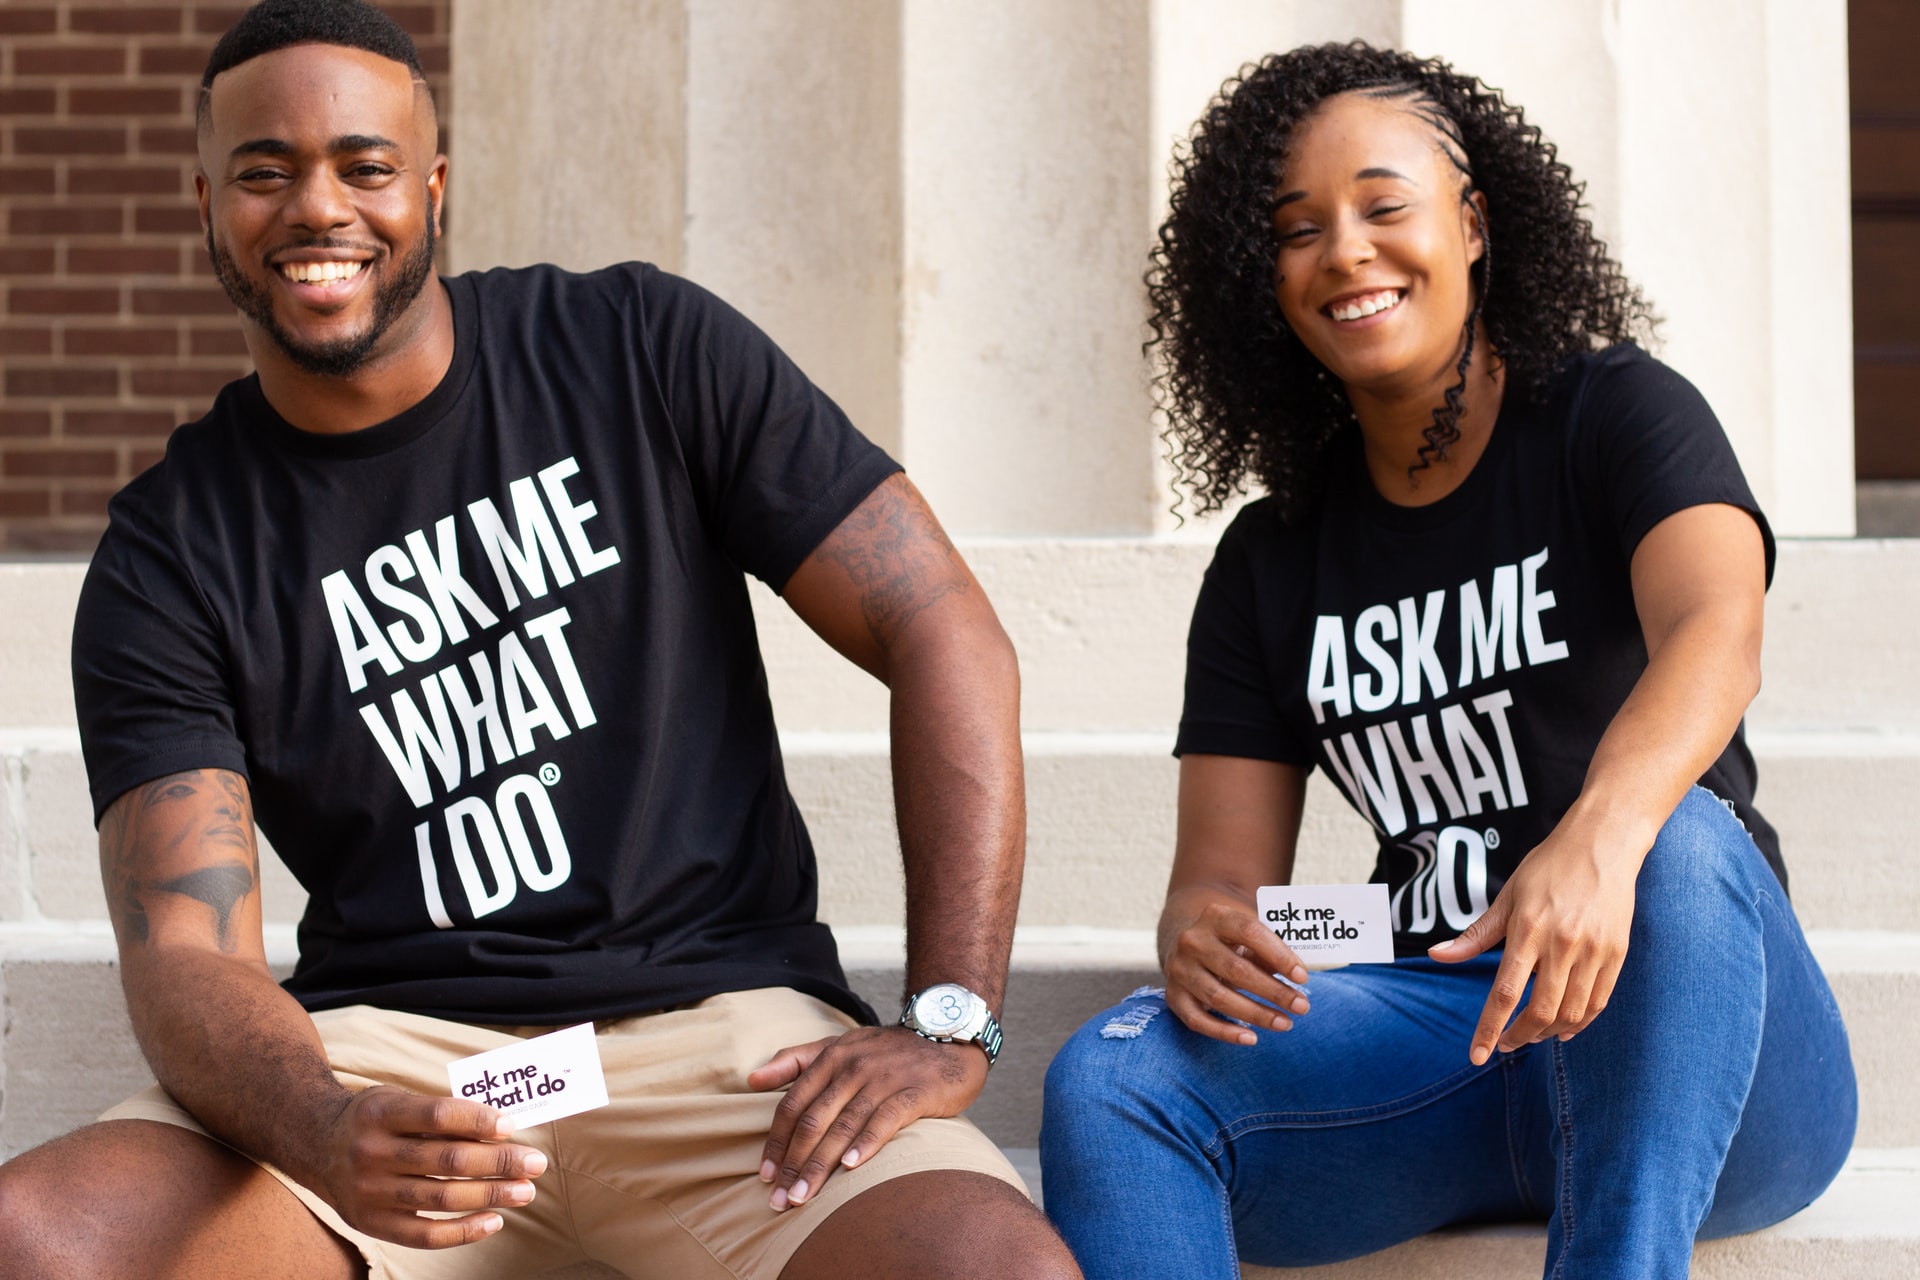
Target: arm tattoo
(219, 887)
(179, 835)
(898, 557)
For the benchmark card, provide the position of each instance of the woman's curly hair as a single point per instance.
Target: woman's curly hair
(1242, 397)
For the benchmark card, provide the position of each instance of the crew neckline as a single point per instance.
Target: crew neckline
(1466, 496)
(404, 427)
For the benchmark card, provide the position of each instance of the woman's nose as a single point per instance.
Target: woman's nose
(1347, 246)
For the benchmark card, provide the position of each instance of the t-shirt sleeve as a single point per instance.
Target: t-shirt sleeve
(775, 464)
(1653, 447)
(1232, 708)
(149, 674)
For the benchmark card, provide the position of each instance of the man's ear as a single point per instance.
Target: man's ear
(203, 196)
(437, 190)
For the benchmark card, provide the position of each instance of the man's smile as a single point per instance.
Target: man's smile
(320, 272)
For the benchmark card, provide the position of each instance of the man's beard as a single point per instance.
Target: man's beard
(341, 356)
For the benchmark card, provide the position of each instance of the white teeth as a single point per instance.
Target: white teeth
(1366, 306)
(319, 272)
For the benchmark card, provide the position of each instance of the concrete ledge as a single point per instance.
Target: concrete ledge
(1887, 508)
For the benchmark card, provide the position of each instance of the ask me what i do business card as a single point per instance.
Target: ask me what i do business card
(1329, 925)
(544, 1078)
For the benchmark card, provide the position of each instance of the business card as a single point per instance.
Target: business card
(1329, 925)
(545, 1078)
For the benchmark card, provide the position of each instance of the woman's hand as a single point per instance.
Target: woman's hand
(1239, 819)
(1221, 953)
(1565, 914)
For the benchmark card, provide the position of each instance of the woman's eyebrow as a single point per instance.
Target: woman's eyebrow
(1291, 196)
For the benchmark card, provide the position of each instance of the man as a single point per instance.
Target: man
(451, 596)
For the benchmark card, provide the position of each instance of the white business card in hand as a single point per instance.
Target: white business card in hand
(545, 1078)
(1329, 924)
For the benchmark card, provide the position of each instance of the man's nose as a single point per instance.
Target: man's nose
(319, 203)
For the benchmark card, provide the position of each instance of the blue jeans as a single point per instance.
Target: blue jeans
(1714, 1095)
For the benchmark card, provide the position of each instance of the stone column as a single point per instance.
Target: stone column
(1810, 267)
(572, 145)
(794, 185)
(1026, 207)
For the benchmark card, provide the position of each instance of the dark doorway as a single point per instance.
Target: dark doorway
(1883, 42)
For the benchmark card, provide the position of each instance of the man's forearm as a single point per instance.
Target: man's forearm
(889, 591)
(181, 873)
(959, 796)
(239, 1053)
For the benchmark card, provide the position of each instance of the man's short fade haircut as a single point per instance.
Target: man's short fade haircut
(276, 24)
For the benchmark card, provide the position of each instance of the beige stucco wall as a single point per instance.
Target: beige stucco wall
(943, 211)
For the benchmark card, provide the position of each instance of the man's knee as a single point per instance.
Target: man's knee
(131, 1198)
(27, 1215)
(939, 1224)
(45, 1219)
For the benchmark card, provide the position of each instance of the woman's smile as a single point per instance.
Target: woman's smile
(1353, 308)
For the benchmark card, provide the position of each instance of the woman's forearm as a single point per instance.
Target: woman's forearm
(1699, 586)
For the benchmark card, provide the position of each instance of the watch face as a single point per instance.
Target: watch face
(942, 1010)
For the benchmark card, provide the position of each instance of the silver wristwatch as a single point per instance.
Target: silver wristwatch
(948, 1013)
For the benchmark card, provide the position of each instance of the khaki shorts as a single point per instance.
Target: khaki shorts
(664, 1181)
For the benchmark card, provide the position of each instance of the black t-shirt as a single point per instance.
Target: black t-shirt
(490, 666)
(1452, 667)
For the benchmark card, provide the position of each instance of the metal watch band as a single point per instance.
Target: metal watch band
(989, 1038)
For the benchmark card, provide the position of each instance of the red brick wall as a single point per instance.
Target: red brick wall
(112, 330)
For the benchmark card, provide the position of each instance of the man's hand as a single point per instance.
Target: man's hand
(395, 1154)
(1221, 953)
(1566, 915)
(848, 1095)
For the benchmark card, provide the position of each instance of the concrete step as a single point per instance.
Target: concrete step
(1101, 627)
(1100, 828)
(67, 1052)
(1864, 1228)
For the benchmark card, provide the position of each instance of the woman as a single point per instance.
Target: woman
(1505, 588)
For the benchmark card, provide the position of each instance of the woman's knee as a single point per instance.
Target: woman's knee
(1085, 1067)
(1112, 1066)
(1703, 861)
